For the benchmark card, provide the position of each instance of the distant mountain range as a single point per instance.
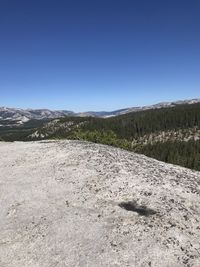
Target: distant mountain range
(17, 116)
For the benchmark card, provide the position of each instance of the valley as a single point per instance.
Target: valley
(170, 134)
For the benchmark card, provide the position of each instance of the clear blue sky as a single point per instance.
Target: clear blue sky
(99, 54)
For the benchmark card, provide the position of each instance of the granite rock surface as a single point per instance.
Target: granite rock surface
(73, 203)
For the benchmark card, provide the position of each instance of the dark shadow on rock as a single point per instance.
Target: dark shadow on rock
(133, 206)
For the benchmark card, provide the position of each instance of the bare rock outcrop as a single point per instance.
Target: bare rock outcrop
(72, 203)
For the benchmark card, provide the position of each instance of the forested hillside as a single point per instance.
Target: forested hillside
(168, 134)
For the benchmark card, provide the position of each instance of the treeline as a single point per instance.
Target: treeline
(186, 154)
(122, 130)
(20, 133)
(137, 124)
(129, 126)
(104, 137)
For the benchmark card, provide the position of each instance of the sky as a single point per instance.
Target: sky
(98, 54)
